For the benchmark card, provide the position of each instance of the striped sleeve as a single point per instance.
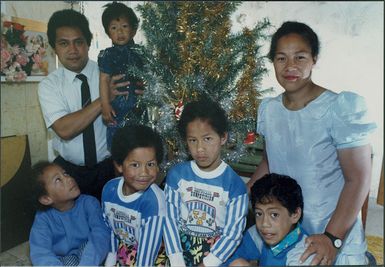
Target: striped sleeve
(105, 196)
(171, 233)
(151, 230)
(232, 232)
(150, 240)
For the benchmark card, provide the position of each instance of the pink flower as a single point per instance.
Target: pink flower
(5, 58)
(5, 55)
(22, 59)
(37, 59)
(41, 51)
(20, 76)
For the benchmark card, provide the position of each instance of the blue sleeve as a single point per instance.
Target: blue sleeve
(98, 244)
(108, 190)
(150, 241)
(41, 242)
(235, 223)
(247, 250)
(104, 61)
(351, 123)
(171, 232)
(152, 226)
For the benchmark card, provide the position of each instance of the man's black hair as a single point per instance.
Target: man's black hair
(68, 18)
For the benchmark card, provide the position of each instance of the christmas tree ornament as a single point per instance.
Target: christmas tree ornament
(153, 115)
(178, 110)
(250, 138)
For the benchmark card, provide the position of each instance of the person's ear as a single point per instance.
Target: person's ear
(45, 200)
(224, 138)
(119, 167)
(295, 216)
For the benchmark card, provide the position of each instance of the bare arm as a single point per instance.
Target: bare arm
(356, 167)
(108, 113)
(72, 124)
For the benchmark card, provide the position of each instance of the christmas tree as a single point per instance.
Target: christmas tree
(190, 54)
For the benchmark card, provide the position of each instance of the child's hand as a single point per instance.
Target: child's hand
(108, 114)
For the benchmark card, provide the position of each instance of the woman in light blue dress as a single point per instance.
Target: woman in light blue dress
(320, 138)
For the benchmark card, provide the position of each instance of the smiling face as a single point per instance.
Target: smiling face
(139, 169)
(62, 189)
(274, 222)
(204, 144)
(293, 62)
(71, 48)
(120, 31)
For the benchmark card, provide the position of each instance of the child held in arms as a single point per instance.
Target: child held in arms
(68, 228)
(133, 205)
(206, 200)
(120, 24)
(277, 238)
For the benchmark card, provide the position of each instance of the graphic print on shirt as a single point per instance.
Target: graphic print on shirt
(201, 203)
(125, 224)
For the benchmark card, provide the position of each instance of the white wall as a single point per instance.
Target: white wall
(351, 56)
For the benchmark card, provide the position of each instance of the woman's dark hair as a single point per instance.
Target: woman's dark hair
(68, 18)
(283, 188)
(205, 110)
(299, 28)
(130, 137)
(116, 10)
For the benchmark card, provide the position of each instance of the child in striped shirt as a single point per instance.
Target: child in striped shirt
(133, 205)
(206, 200)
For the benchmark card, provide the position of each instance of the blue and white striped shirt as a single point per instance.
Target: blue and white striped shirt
(136, 220)
(204, 205)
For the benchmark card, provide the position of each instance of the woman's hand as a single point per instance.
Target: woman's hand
(321, 245)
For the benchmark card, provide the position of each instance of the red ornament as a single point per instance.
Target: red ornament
(178, 110)
(250, 138)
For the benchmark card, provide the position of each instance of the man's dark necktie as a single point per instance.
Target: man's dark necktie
(88, 133)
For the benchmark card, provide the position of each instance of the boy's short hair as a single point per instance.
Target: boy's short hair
(205, 110)
(283, 188)
(68, 18)
(130, 137)
(116, 10)
(38, 184)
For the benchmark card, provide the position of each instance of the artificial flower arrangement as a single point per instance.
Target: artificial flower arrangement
(21, 55)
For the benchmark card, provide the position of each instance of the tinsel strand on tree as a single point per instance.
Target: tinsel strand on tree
(190, 53)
